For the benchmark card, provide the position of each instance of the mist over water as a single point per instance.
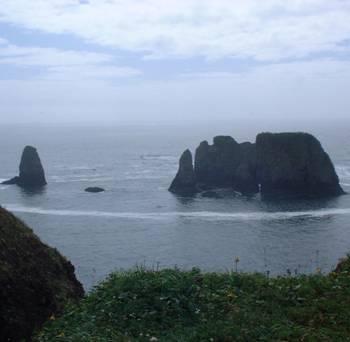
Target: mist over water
(138, 221)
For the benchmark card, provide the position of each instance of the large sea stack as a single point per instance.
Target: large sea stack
(226, 164)
(31, 171)
(185, 180)
(216, 164)
(284, 165)
(35, 280)
(245, 180)
(294, 164)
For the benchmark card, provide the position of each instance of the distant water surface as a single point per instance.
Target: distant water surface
(137, 221)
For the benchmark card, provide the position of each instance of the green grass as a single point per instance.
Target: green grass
(174, 305)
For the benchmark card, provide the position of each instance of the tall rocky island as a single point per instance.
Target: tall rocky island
(295, 164)
(31, 171)
(276, 165)
(185, 179)
(35, 280)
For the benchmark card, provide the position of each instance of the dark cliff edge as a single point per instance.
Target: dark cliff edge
(276, 165)
(35, 280)
(31, 171)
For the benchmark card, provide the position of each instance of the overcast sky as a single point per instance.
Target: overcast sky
(168, 60)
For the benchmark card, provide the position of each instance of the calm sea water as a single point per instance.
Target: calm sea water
(137, 221)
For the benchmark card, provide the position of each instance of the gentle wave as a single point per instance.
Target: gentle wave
(77, 167)
(202, 215)
(143, 177)
(343, 171)
(84, 175)
(80, 179)
(3, 187)
(158, 157)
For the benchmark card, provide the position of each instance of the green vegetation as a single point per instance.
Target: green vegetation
(174, 305)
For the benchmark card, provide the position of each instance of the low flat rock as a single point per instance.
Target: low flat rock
(94, 189)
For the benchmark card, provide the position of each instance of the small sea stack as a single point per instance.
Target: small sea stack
(94, 189)
(185, 180)
(31, 171)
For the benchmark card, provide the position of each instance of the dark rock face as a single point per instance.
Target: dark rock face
(245, 180)
(31, 172)
(185, 180)
(285, 164)
(94, 189)
(216, 164)
(35, 280)
(295, 164)
(226, 164)
(11, 181)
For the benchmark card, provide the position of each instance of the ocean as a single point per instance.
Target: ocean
(138, 222)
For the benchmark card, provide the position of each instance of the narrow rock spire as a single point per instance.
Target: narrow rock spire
(185, 180)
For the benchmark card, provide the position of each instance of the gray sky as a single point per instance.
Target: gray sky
(170, 60)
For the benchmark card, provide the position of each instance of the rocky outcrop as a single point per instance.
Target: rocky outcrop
(11, 181)
(286, 164)
(185, 180)
(244, 180)
(294, 164)
(225, 164)
(31, 171)
(94, 189)
(35, 280)
(343, 266)
(215, 165)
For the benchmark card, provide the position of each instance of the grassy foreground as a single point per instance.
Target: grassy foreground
(173, 305)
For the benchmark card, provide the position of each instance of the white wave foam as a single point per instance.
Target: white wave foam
(155, 173)
(77, 167)
(200, 215)
(85, 178)
(143, 177)
(343, 171)
(3, 187)
(91, 175)
(159, 157)
(83, 175)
